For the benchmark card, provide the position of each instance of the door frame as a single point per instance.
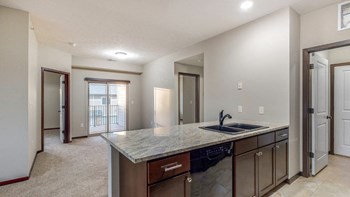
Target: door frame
(306, 94)
(197, 105)
(67, 104)
(332, 78)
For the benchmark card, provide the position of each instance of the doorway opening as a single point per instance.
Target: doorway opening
(188, 98)
(107, 106)
(189, 74)
(55, 105)
(326, 103)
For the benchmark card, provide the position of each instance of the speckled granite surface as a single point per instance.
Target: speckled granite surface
(147, 144)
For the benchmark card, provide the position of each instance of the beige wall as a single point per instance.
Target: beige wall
(49, 57)
(262, 54)
(320, 27)
(52, 100)
(80, 92)
(294, 95)
(18, 108)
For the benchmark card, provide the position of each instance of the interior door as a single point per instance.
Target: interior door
(162, 107)
(188, 99)
(62, 107)
(320, 105)
(342, 110)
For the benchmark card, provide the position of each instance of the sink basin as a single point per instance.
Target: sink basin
(234, 128)
(223, 129)
(244, 126)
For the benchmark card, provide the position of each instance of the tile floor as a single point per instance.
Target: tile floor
(333, 181)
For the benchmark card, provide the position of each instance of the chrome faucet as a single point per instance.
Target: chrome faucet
(222, 117)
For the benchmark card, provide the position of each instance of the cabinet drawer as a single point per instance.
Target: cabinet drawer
(168, 167)
(281, 135)
(266, 139)
(245, 145)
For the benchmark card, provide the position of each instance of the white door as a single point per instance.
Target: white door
(320, 104)
(342, 110)
(62, 107)
(162, 107)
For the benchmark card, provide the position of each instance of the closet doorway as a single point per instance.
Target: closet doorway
(107, 106)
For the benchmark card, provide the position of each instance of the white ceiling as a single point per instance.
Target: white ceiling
(196, 60)
(146, 30)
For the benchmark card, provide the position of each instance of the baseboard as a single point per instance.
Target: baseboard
(14, 181)
(294, 178)
(55, 128)
(85, 136)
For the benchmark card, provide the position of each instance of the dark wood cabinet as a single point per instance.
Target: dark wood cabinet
(281, 161)
(245, 171)
(178, 186)
(260, 170)
(266, 169)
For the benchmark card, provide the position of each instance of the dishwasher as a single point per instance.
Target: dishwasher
(211, 171)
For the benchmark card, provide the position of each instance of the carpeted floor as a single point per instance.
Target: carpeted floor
(75, 169)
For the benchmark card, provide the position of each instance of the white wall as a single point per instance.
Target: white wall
(18, 105)
(193, 70)
(80, 92)
(52, 100)
(262, 54)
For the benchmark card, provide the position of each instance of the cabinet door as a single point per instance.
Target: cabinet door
(266, 163)
(178, 186)
(281, 161)
(244, 174)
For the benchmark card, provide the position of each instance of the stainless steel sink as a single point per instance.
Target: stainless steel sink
(234, 128)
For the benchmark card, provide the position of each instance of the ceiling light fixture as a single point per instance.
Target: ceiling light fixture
(72, 44)
(245, 5)
(121, 54)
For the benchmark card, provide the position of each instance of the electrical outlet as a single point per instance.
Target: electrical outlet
(261, 110)
(240, 109)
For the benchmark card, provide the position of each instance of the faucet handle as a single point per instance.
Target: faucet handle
(221, 114)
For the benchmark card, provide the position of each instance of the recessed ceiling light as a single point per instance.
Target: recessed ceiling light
(121, 54)
(245, 5)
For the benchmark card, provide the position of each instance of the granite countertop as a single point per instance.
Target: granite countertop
(148, 144)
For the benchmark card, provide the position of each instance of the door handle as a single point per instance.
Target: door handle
(329, 117)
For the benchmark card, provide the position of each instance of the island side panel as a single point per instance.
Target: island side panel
(133, 178)
(113, 172)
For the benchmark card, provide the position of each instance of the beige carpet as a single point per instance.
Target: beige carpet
(75, 169)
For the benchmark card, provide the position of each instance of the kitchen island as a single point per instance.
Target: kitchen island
(134, 154)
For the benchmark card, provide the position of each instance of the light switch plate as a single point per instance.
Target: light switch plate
(81, 125)
(261, 110)
(240, 109)
(240, 85)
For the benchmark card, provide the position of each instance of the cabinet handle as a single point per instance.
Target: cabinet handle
(189, 179)
(171, 167)
(284, 135)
